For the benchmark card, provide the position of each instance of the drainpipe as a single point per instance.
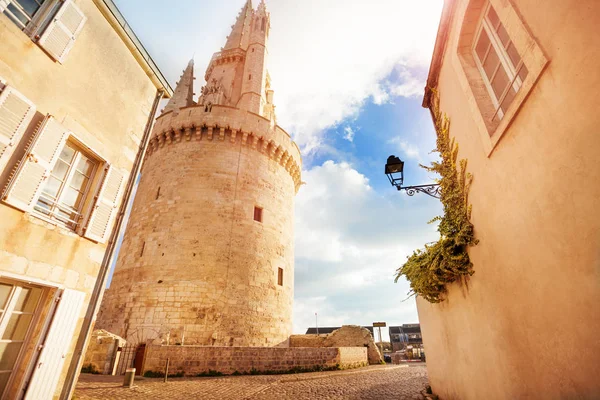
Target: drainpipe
(96, 299)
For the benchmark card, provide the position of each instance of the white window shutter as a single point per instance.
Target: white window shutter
(50, 364)
(3, 5)
(60, 35)
(27, 182)
(16, 112)
(107, 206)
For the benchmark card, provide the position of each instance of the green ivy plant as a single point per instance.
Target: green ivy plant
(429, 270)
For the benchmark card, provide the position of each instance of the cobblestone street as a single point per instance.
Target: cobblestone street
(376, 382)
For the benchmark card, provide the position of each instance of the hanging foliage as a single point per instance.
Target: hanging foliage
(429, 270)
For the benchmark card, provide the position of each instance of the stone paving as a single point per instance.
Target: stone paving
(375, 382)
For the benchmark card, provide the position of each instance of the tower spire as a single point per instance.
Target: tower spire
(183, 96)
(262, 5)
(234, 40)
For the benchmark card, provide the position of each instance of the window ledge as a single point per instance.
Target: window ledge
(40, 219)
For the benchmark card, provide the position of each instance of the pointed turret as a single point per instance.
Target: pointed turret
(262, 18)
(237, 75)
(240, 28)
(262, 7)
(184, 92)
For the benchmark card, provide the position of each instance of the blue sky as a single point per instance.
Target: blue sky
(348, 78)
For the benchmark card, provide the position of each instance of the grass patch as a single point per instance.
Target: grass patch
(156, 374)
(210, 372)
(90, 369)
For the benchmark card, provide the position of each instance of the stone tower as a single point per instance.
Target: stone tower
(208, 254)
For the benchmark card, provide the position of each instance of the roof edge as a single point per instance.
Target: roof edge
(110, 11)
(438, 51)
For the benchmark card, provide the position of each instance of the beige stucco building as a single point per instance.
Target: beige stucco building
(519, 81)
(76, 93)
(207, 257)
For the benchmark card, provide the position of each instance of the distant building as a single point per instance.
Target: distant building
(406, 334)
(77, 93)
(325, 330)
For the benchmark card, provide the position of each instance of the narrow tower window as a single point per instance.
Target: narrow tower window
(143, 247)
(158, 193)
(258, 214)
(264, 23)
(280, 276)
(250, 77)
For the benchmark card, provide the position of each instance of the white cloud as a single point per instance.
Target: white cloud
(404, 149)
(349, 133)
(409, 86)
(328, 57)
(349, 242)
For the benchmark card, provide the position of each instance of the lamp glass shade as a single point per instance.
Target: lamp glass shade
(394, 165)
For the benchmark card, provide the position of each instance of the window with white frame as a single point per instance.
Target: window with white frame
(499, 63)
(65, 182)
(67, 186)
(23, 12)
(53, 24)
(19, 304)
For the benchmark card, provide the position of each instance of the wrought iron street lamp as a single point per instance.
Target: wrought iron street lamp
(394, 169)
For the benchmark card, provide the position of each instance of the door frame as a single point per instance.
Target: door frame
(47, 287)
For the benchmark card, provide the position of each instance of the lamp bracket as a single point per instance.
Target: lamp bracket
(433, 190)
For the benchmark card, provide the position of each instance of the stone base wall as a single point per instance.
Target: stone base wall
(102, 352)
(346, 336)
(194, 360)
(352, 357)
(308, 340)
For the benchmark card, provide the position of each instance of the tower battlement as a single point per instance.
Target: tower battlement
(232, 125)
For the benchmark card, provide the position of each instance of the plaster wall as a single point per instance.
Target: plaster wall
(100, 93)
(526, 325)
(195, 267)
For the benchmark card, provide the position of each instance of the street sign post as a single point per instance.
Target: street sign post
(380, 325)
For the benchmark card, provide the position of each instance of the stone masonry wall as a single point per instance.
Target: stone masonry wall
(193, 360)
(307, 340)
(346, 336)
(351, 357)
(102, 351)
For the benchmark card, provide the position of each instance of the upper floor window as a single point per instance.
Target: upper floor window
(28, 14)
(65, 182)
(67, 186)
(53, 24)
(22, 12)
(499, 62)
